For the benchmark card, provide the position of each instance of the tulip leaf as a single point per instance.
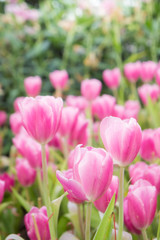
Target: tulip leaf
(21, 200)
(4, 205)
(13, 237)
(105, 226)
(158, 232)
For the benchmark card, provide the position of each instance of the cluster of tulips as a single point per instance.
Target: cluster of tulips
(56, 138)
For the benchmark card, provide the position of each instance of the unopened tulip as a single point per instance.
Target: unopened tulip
(2, 190)
(112, 78)
(148, 70)
(121, 138)
(41, 117)
(40, 216)
(92, 174)
(33, 86)
(25, 173)
(132, 71)
(102, 203)
(16, 103)
(77, 101)
(59, 79)
(91, 88)
(15, 122)
(29, 149)
(9, 181)
(157, 141)
(142, 203)
(132, 109)
(136, 171)
(118, 111)
(152, 175)
(148, 149)
(3, 118)
(157, 75)
(147, 90)
(103, 106)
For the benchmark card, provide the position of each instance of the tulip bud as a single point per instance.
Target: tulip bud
(33, 86)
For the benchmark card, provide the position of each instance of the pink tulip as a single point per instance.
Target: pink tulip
(41, 117)
(3, 118)
(148, 70)
(157, 75)
(9, 181)
(33, 86)
(16, 103)
(41, 219)
(102, 203)
(157, 141)
(148, 150)
(91, 89)
(132, 109)
(127, 220)
(142, 203)
(29, 149)
(103, 106)
(92, 174)
(96, 133)
(118, 111)
(25, 173)
(132, 71)
(146, 91)
(121, 138)
(2, 190)
(112, 78)
(152, 175)
(15, 122)
(77, 101)
(136, 171)
(59, 79)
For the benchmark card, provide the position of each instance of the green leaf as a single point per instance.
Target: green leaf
(21, 200)
(105, 226)
(4, 205)
(13, 237)
(158, 232)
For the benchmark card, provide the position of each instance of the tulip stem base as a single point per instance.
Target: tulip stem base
(88, 221)
(144, 234)
(46, 192)
(80, 220)
(121, 196)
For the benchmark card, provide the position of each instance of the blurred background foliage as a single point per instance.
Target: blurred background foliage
(80, 37)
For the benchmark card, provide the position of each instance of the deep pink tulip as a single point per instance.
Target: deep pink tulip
(132, 109)
(148, 150)
(157, 141)
(41, 219)
(157, 75)
(15, 122)
(29, 149)
(91, 88)
(68, 120)
(112, 78)
(16, 103)
(77, 101)
(3, 117)
(41, 117)
(59, 79)
(136, 171)
(103, 106)
(33, 86)
(132, 71)
(9, 181)
(121, 138)
(102, 203)
(92, 174)
(148, 70)
(142, 203)
(118, 111)
(127, 220)
(147, 90)
(25, 173)
(2, 190)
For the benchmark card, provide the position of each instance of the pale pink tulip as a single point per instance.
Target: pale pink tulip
(112, 78)
(91, 88)
(147, 90)
(121, 138)
(33, 86)
(41, 117)
(16, 103)
(59, 79)
(77, 101)
(132, 109)
(136, 171)
(148, 70)
(92, 174)
(118, 111)
(2, 190)
(132, 71)
(15, 122)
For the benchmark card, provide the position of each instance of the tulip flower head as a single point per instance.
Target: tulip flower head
(91, 89)
(33, 86)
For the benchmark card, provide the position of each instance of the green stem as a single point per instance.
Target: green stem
(88, 221)
(46, 192)
(144, 234)
(80, 221)
(40, 182)
(121, 195)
